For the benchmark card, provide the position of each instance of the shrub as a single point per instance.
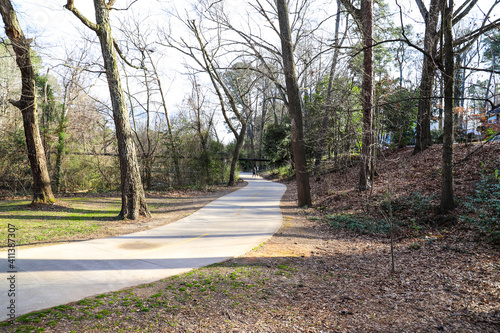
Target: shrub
(357, 223)
(484, 207)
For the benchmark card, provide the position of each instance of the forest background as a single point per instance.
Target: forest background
(221, 63)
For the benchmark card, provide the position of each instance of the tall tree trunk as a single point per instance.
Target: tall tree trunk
(236, 153)
(294, 107)
(487, 92)
(61, 133)
(133, 197)
(447, 201)
(364, 20)
(329, 102)
(263, 121)
(42, 191)
(148, 166)
(367, 92)
(431, 18)
(423, 138)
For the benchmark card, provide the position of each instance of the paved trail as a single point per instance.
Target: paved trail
(227, 227)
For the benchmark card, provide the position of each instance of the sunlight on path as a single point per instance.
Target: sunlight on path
(43, 277)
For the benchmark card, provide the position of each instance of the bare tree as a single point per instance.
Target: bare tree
(431, 38)
(139, 35)
(329, 95)
(42, 191)
(294, 106)
(203, 124)
(147, 139)
(229, 99)
(447, 201)
(364, 19)
(133, 197)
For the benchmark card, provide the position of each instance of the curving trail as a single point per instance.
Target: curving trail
(225, 228)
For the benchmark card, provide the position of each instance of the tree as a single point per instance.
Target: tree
(329, 96)
(447, 201)
(133, 197)
(277, 143)
(42, 191)
(432, 57)
(398, 114)
(232, 97)
(491, 54)
(364, 19)
(139, 35)
(431, 38)
(202, 122)
(294, 106)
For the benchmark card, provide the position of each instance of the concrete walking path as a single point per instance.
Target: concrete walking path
(227, 227)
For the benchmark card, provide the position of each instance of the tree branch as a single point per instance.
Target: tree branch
(69, 6)
(117, 48)
(480, 69)
(457, 16)
(423, 10)
(472, 36)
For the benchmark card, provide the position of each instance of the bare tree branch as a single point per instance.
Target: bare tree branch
(70, 6)
(117, 48)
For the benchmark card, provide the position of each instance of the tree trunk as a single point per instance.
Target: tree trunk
(42, 191)
(175, 154)
(423, 130)
(329, 102)
(61, 133)
(447, 202)
(133, 198)
(294, 107)
(148, 166)
(423, 136)
(236, 154)
(367, 92)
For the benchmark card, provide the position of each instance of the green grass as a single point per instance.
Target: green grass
(69, 218)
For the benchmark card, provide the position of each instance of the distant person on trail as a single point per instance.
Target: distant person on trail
(257, 170)
(254, 171)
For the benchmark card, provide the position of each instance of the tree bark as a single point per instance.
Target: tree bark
(133, 197)
(367, 92)
(423, 130)
(447, 201)
(329, 99)
(61, 133)
(294, 106)
(42, 191)
(236, 154)
(364, 20)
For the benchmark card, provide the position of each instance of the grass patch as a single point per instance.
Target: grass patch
(71, 217)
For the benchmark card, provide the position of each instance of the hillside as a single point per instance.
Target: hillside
(413, 185)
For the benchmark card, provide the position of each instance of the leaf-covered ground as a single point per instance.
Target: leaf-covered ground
(322, 274)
